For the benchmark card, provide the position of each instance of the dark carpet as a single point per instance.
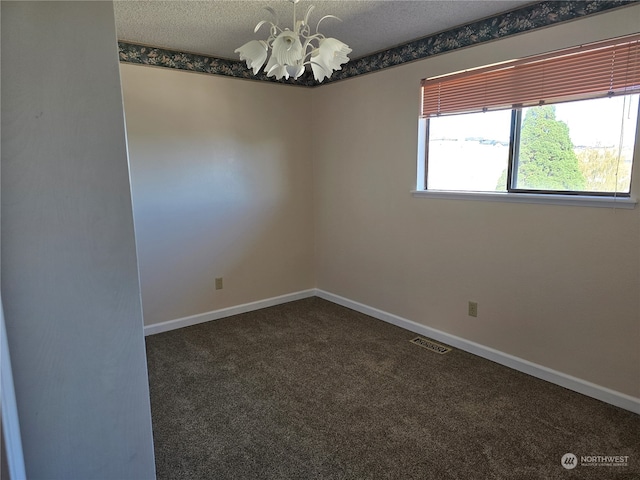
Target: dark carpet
(312, 390)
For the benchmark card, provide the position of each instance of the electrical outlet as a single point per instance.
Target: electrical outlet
(473, 309)
(219, 283)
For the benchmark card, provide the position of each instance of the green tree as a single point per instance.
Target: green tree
(547, 160)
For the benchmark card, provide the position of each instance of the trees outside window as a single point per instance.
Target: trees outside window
(583, 147)
(546, 159)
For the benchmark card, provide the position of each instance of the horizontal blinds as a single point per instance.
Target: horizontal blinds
(605, 68)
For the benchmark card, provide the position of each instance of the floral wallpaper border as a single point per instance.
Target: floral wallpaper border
(528, 18)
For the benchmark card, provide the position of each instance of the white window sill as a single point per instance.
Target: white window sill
(549, 199)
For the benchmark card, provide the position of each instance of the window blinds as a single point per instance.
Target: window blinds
(588, 71)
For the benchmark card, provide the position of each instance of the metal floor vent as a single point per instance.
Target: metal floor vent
(431, 345)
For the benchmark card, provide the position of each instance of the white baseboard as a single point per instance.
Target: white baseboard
(598, 392)
(225, 312)
(567, 381)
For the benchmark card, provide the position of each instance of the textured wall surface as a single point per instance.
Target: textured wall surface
(221, 177)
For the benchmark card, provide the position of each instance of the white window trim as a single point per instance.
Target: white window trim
(548, 199)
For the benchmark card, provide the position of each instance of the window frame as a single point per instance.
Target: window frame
(514, 146)
(624, 83)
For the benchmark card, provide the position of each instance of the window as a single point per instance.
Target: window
(562, 123)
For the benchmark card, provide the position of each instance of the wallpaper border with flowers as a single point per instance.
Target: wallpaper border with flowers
(531, 17)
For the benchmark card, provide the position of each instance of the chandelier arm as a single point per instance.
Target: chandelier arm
(306, 17)
(275, 30)
(308, 43)
(273, 12)
(326, 16)
(263, 22)
(317, 36)
(270, 39)
(305, 32)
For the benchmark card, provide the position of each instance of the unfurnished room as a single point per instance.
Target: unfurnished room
(300, 239)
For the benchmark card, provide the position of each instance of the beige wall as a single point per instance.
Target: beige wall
(556, 285)
(222, 187)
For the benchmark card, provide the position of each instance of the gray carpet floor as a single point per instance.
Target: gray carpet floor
(312, 390)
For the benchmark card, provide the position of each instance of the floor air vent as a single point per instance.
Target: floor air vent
(430, 345)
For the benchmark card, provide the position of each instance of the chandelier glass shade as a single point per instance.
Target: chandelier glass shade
(289, 52)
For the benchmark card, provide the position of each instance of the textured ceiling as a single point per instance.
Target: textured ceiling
(217, 28)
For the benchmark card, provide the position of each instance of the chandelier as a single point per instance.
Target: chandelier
(293, 50)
